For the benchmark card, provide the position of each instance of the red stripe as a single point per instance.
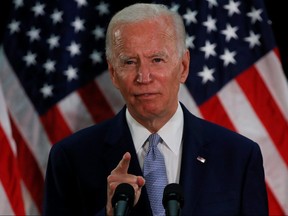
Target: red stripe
(30, 171)
(95, 102)
(55, 125)
(274, 207)
(213, 111)
(266, 109)
(9, 175)
(277, 53)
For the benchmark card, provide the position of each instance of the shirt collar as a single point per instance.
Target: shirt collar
(171, 132)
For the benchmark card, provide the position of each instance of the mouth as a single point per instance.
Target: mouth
(146, 95)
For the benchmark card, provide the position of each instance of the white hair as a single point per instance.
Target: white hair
(140, 12)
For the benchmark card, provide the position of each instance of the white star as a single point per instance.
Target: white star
(98, 32)
(102, 8)
(56, 16)
(190, 41)
(49, 66)
(208, 49)
(71, 73)
(78, 24)
(253, 39)
(212, 3)
(206, 74)
(14, 26)
(18, 3)
(33, 34)
(174, 7)
(81, 3)
(228, 57)
(210, 24)
(230, 32)
(46, 90)
(53, 41)
(96, 57)
(30, 58)
(255, 15)
(232, 7)
(190, 16)
(74, 49)
(38, 9)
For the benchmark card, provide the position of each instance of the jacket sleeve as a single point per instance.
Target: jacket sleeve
(255, 200)
(59, 195)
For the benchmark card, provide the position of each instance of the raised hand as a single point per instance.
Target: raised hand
(120, 175)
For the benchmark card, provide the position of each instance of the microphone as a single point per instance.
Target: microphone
(123, 199)
(173, 199)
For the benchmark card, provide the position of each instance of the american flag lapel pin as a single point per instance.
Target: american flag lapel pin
(201, 159)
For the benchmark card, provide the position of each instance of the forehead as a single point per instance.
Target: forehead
(145, 34)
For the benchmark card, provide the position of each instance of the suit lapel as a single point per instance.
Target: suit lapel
(192, 165)
(119, 140)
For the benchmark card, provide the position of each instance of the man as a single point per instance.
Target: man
(220, 171)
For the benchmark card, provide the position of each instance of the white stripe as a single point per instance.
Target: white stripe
(75, 112)
(24, 115)
(5, 207)
(5, 122)
(29, 205)
(186, 98)
(247, 123)
(111, 94)
(270, 69)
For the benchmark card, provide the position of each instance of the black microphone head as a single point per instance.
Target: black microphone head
(173, 191)
(124, 191)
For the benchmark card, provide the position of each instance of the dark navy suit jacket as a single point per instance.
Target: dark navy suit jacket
(230, 182)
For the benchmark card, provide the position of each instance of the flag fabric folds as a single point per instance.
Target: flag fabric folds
(54, 81)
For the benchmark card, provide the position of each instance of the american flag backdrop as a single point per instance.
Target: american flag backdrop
(54, 81)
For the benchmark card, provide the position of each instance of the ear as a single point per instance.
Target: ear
(112, 73)
(185, 66)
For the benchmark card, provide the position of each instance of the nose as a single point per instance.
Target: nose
(143, 74)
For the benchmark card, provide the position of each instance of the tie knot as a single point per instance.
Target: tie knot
(154, 139)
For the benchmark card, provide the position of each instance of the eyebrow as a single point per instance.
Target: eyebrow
(158, 54)
(124, 57)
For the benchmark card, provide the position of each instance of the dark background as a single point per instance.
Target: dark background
(276, 10)
(278, 14)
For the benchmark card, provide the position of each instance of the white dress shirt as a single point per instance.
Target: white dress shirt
(171, 148)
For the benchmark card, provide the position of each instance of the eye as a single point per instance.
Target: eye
(129, 62)
(157, 60)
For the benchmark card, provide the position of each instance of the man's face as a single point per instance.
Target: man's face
(147, 68)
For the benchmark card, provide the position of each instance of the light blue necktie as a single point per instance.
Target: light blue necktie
(155, 175)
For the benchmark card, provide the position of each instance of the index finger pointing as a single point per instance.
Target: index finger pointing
(123, 165)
